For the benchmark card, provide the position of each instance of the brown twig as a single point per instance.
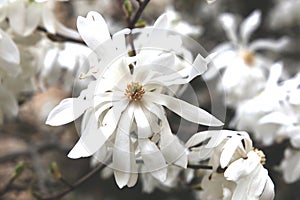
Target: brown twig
(137, 15)
(193, 166)
(59, 37)
(131, 24)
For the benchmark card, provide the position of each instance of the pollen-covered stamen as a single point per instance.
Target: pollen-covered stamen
(134, 91)
(248, 57)
(261, 154)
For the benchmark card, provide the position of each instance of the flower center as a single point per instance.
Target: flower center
(134, 91)
(248, 57)
(262, 156)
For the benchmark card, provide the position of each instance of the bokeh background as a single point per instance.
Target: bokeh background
(27, 139)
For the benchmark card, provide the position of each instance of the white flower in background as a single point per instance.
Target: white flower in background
(285, 14)
(290, 165)
(24, 16)
(61, 64)
(243, 66)
(251, 111)
(175, 23)
(123, 108)
(232, 156)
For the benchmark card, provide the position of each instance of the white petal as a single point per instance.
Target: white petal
(24, 18)
(144, 130)
(48, 19)
(278, 118)
(3, 10)
(217, 136)
(93, 29)
(199, 67)
(295, 140)
(290, 166)
(242, 167)
(90, 141)
(52, 24)
(184, 109)
(275, 73)
(219, 57)
(269, 44)
(249, 25)
(229, 24)
(229, 149)
(153, 159)
(268, 192)
(67, 111)
(121, 152)
(134, 168)
(170, 146)
(112, 117)
(9, 50)
(161, 22)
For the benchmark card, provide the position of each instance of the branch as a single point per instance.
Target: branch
(138, 13)
(71, 186)
(59, 37)
(193, 166)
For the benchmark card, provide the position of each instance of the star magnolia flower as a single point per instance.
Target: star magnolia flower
(249, 113)
(232, 155)
(284, 14)
(123, 107)
(25, 15)
(178, 25)
(243, 65)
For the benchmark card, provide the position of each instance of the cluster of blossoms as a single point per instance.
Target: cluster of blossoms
(237, 168)
(29, 56)
(243, 65)
(275, 118)
(124, 122)
(128, 81)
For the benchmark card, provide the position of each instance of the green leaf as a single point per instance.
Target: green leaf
(127, 8)
(19, 169)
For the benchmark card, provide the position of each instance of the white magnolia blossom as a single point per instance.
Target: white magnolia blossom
(251, 111)
(243, 66)
(285, 14)
(24, 16)
(180, 26)
(123, 108)
(237, 170)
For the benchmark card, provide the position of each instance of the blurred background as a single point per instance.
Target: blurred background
(26, 139)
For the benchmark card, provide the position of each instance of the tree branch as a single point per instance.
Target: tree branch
(193, 166)
(71, 186)
(59, 37)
